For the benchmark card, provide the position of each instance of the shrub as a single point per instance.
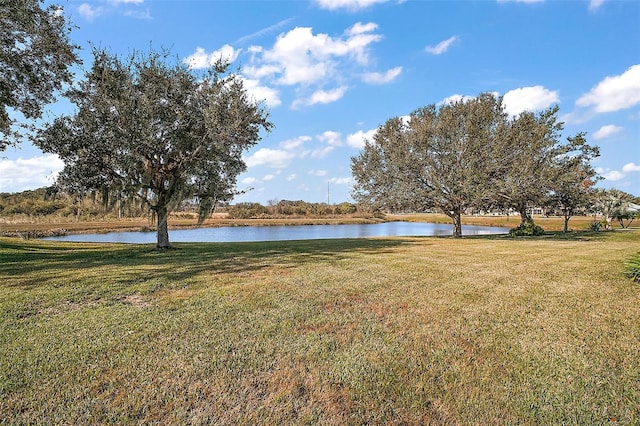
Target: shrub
(633, 268)
(526, 229)
(595, 226)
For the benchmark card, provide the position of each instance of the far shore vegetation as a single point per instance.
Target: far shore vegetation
(34, 213)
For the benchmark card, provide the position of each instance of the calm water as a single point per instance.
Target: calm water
(282, 233)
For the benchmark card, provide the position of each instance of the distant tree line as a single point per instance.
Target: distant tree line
(49, 202)
(287, 208)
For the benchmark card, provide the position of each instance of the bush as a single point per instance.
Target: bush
(633, 268)
(526, 229)
(595, 226)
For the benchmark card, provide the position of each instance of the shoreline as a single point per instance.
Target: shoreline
(39, 229)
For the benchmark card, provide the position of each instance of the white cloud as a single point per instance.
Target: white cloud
(201, 59)
(321, 152)
(441, 47)
(456, 98)
(606, 131)
(274, 158)
(341, 181)
(382, 78)
(351, 5)
(318, 172)
(146, 14)
(631, 167)
(532, 98)
(261, 93)
(268, 177)
(357, 140)
(292, 177)
(614, 92)
(295, 143)
(249, 180)
(331, 138)
(89, 12)
(301, 57)
(613, 175)
(321, 97)
(31, 173)
(608, 174)
(595, 4)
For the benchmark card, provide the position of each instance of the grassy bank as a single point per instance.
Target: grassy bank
(551, 223)
(483, 330)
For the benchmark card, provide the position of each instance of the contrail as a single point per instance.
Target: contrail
(264, 31)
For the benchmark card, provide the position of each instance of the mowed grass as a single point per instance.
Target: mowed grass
(482, 330)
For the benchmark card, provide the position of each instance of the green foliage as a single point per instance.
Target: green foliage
(595, 226)
(633, 268)
(472, 155)
(526, 229)
(347, 208)
(247, 211)
(150, 128)
(441, 157)
(35, 59)
(289, 208)
(625, 217)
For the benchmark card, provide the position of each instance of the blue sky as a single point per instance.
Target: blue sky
(332, 71)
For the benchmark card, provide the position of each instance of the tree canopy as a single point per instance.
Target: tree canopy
(35, 59)
(470, 155)
(149, 127)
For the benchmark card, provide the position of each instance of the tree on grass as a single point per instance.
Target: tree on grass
(148, 127)
(35, 60)
(572, 178)
(612, 204)
(529, 150)
(441, 157)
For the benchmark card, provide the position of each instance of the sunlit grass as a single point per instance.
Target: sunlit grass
(482, 330)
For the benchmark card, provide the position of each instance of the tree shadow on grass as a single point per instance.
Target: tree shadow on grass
(549, 236)
(36, 263)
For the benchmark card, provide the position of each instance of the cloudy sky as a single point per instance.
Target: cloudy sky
(332, 71)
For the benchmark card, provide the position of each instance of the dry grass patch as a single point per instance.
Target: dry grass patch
(486, 330)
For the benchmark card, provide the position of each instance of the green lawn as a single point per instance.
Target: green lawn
(482, 330)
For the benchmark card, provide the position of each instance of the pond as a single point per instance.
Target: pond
(283, 233)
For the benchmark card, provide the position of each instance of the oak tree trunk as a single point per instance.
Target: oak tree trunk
(163, 229)
(457, 223)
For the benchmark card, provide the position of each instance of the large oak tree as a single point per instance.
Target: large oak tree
(149, 127)
(470, 155)
(35, 59)
(440, 158)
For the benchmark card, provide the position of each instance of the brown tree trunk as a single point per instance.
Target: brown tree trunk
(566, 223)
(457, 223)
(524, 215)
(163, 228)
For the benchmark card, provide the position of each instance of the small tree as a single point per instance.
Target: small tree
(528, 150)
(610, 203)
(152, 129)
(35, 57)
(572, 177)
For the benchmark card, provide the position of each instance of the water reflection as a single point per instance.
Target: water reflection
(284, 233)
